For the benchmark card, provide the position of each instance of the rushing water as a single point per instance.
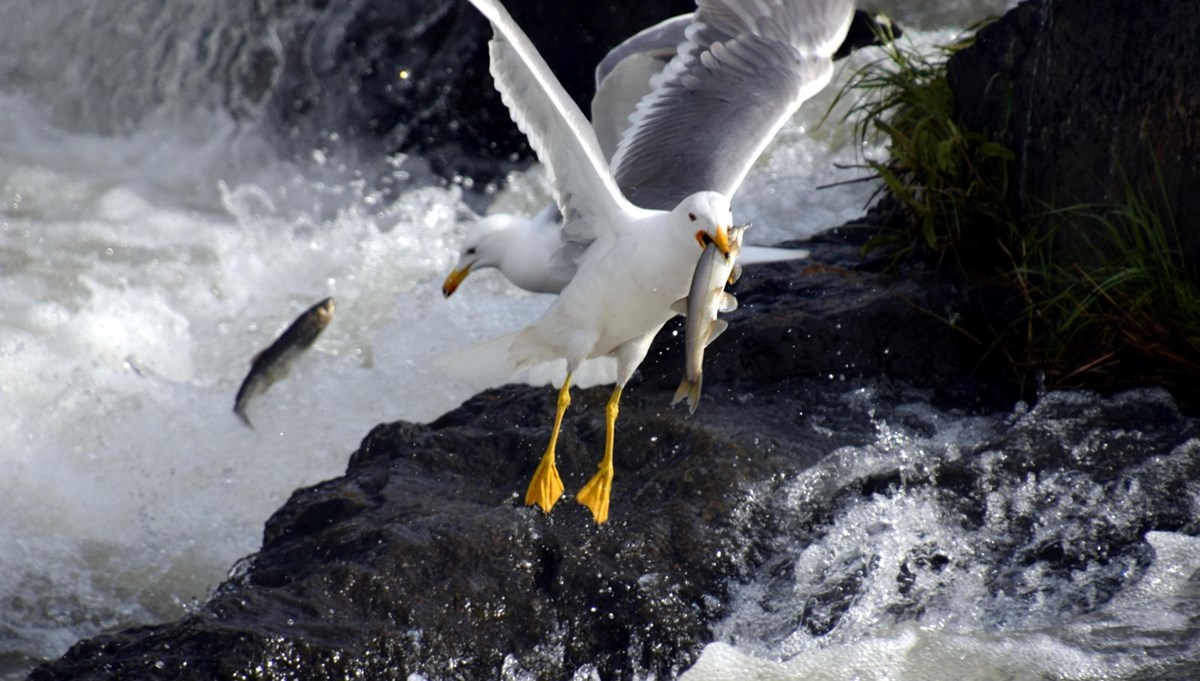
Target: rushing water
(155, 233)
(1011, 546)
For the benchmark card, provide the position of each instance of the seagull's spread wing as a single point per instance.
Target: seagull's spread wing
(623, 77)
(661, 39)
(742, 72)
(557, 130)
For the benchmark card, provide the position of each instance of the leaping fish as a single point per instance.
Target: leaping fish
(274, 363)
(705, 299)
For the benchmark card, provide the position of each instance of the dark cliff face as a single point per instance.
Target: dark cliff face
(1090, 96)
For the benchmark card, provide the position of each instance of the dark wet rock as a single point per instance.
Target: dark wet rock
(422, 558)
(1091, 95)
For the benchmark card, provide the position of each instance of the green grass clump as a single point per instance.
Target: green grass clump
(1101, 295)
(1130, 314)
(947, 181)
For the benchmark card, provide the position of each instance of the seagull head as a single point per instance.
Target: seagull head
(484, 246)
(707, 213)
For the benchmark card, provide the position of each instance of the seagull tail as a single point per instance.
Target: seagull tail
(495, 362)
(486, 363)
(760, 255)
(688, 389)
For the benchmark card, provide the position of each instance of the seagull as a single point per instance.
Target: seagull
(737, 77)
(531, 252)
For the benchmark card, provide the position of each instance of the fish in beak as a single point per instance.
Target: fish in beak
(454, 279)
(721, 239)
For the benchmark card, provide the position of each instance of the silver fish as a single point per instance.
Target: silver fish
(274, 363)
(706, 298)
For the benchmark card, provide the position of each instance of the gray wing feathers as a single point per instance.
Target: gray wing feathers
(743, 71)
(624, 85)
(660, 40)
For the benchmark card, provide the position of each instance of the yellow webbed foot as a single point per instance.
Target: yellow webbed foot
(545, 487)
(595, 494)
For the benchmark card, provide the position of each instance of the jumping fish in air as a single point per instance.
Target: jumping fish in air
(705, 299)
(275, 362)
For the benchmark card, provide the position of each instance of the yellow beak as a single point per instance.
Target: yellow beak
(454, 279)
(721, 239)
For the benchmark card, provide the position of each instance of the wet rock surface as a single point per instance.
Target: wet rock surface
(422, 559)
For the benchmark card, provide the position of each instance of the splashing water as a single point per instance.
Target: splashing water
(976, 547)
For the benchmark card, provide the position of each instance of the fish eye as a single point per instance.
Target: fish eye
(692, 217)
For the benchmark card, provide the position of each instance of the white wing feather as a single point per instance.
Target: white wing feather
(559, 133)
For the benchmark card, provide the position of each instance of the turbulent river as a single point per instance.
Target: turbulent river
(155, 234)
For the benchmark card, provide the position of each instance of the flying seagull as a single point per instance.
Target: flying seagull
(739, 75)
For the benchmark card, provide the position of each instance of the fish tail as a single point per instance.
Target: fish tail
(688, 389)
(681, 392)
(240, 410)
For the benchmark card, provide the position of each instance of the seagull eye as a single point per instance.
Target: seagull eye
(471, 251)
(692, 217)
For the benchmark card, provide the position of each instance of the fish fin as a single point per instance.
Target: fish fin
(681, 391)
(718, 328)
(694, 396)
(735, 273)
(729, 303)
(679, 307)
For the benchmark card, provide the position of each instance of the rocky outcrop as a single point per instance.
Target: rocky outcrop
(339, 69)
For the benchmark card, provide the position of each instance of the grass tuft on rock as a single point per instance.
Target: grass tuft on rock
(1097, 296)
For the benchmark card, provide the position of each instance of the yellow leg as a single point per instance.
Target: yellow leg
(595, 494)
(546, 487)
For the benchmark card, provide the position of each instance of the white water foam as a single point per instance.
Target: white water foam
(902, 586)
